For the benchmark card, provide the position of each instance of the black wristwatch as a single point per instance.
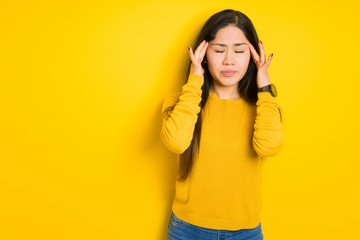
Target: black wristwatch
(269, 88)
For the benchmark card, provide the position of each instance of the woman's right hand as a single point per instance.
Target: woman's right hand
(197, 57)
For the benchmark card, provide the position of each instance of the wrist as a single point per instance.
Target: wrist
(198, 72)
(260, 85)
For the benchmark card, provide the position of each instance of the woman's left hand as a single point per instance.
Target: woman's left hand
(262, 74)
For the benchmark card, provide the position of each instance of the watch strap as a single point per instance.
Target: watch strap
(269, 88)
(266, 88)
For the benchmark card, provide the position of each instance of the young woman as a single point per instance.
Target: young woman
(223, 124)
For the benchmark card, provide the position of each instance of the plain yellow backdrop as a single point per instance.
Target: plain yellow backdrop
(81, 88)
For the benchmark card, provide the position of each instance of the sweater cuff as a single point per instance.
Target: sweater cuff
(195, 80)
(266, 96)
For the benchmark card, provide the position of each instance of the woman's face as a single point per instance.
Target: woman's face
(228, 56)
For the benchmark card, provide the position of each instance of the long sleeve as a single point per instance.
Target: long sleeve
(268, 137)
(177, 131)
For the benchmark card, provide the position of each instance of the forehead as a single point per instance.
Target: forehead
(229, 34)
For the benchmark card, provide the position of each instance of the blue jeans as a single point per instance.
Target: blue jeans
(181, 230)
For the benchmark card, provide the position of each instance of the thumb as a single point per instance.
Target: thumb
(269, 60)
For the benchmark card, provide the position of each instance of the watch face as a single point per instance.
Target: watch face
(273, 90)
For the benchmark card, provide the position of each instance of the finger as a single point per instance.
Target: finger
(253, 53)
(269, 60)
(262, 52)
(203, 51)
(199, 48)
(192, 57)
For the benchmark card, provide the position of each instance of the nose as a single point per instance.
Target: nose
(229, 58)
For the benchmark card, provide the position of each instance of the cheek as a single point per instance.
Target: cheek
(212, 67)
(244, 60)
(210, 57)
(212, 61)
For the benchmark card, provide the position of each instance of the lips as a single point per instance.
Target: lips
(228, 73)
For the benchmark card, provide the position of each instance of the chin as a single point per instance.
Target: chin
(228, 81)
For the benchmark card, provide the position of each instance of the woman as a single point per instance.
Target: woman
(223, 124)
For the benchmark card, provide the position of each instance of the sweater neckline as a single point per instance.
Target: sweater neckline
(224, 100)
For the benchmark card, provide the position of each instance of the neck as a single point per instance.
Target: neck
(222, 92)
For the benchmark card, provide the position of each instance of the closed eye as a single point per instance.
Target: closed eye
(235, 51)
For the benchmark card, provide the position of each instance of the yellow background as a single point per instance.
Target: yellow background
(82, 83)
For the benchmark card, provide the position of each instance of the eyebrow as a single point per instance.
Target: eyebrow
(224, 45)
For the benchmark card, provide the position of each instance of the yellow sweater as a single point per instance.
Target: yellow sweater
(223, 190)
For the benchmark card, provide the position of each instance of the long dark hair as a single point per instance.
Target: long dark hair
(247, 86)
